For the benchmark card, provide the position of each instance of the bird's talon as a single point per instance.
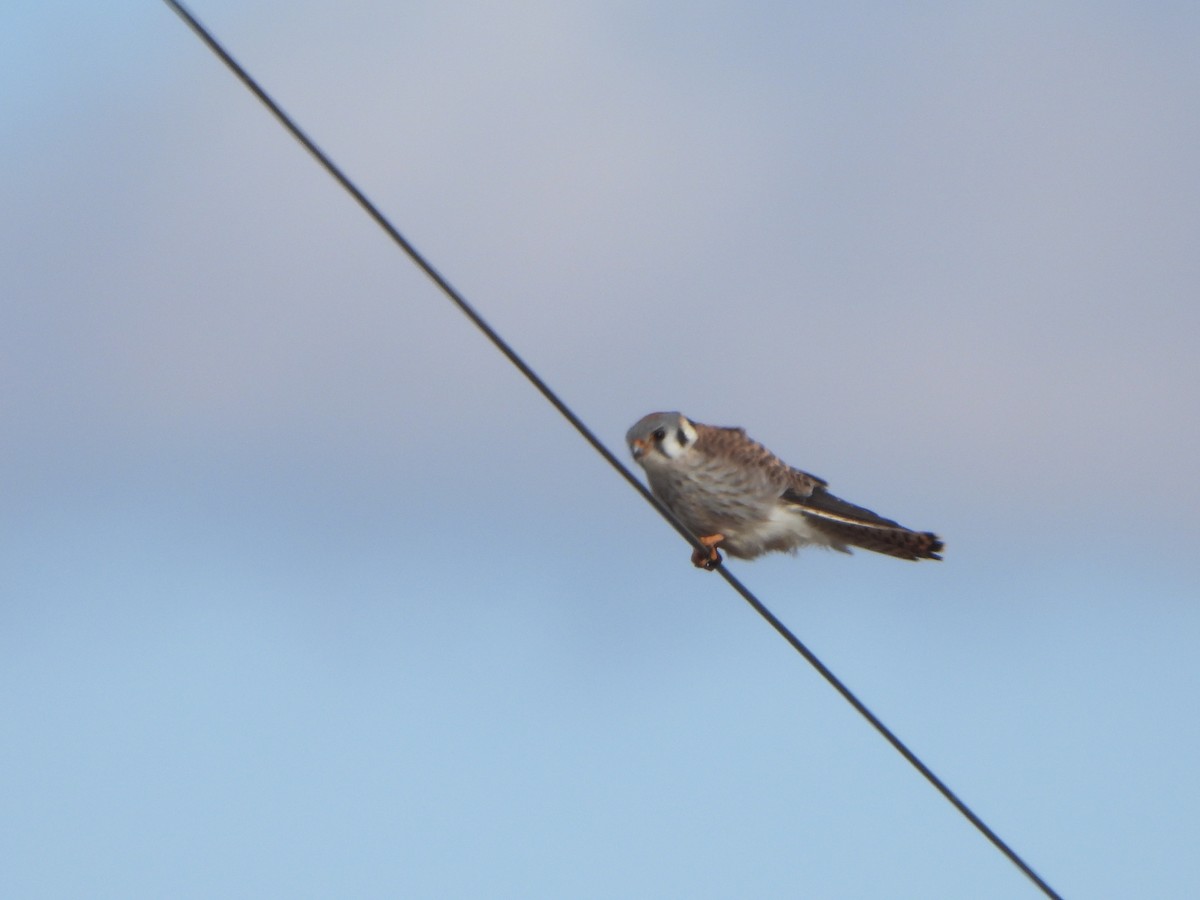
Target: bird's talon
(711, 558)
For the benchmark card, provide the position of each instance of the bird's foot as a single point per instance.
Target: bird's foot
(710, 558)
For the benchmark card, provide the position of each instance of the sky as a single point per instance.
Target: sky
(305, 592)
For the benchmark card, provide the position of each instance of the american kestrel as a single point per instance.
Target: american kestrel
(731, 491)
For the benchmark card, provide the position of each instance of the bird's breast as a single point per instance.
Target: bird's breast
(708, 499)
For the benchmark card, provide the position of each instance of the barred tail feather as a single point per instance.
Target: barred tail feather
(846, 523)
(894, 540)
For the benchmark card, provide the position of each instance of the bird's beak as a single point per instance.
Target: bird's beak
(637, 448)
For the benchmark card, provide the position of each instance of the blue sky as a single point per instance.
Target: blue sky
(304, 591)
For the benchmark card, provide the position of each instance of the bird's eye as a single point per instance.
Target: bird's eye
(660, 434)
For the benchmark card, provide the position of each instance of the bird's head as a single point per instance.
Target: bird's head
(660, 438)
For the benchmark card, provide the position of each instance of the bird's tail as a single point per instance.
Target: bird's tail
(849, 524)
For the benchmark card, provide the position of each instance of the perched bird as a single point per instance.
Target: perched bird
(732, 492)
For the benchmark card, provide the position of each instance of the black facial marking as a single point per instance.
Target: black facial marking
(681, 437)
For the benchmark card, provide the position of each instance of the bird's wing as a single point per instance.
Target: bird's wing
(802, 484)
(753, 462)
(860, 527)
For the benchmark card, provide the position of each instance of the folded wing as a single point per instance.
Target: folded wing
(846, 523)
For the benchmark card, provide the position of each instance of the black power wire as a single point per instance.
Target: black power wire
(514, 358)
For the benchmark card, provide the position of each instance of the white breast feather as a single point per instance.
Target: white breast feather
(785, 528)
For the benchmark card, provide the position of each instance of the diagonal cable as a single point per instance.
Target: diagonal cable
(513, 357)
